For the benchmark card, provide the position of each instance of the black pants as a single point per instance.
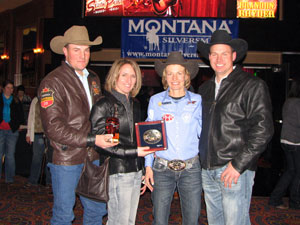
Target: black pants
(289, 179)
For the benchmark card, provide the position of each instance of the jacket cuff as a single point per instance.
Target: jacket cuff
(90, 140)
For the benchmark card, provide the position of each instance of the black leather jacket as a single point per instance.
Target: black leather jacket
(123, 157)
(237, 125)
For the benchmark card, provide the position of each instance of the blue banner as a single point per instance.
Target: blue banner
(157, 37)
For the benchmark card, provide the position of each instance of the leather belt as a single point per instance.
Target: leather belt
(177, 164)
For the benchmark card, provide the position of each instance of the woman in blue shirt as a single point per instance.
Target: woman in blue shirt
(11, 117)
(179, 165)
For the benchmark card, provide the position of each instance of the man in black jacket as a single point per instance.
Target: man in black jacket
(237, 126)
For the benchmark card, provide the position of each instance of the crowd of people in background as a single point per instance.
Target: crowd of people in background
(214, 137)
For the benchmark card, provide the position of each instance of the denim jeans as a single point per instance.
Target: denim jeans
(188, 184)
(226, 205)
(8, 141)
(290, 178)
(38, 149)
(64, 182)
(124, 195)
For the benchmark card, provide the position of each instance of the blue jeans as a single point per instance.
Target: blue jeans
(227, 205)
(64, 182)
(188, 183)
(290, 178)
(8, 141)
(124, 195)
(38, 149)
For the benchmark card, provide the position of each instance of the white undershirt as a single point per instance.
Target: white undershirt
(218, 85)
(84, 80)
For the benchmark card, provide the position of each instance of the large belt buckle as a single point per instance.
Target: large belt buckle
(176, 165)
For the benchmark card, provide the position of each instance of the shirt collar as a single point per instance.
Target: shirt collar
(167, 97)
(224, 77)
(121, 97)
(84, 71)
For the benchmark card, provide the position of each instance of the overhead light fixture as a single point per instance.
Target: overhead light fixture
(4, 57)
(38, 50)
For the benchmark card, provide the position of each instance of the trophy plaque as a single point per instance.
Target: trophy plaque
(152, 134)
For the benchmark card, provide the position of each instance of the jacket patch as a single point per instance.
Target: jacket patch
(95, 88)
(168, 117)
(47, 98)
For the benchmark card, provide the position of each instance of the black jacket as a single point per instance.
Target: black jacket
(290, 130)
(16, 113)
(238, 125)
(124, 157)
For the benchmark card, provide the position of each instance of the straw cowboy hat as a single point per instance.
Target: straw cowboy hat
(77, 35)
(177, 58)
(240, 46)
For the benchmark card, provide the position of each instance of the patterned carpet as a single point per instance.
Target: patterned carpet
(33, 207)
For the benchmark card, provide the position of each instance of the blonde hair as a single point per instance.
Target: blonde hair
(187, 82)
(114, 73)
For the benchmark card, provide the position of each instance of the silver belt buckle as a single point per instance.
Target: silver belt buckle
(176, 165)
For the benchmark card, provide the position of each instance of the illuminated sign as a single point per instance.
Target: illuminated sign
(161, 8)
(256, 8)
(157, 37)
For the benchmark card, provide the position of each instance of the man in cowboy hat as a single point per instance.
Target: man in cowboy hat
(179, 165)
(237, 126)
(66, 97)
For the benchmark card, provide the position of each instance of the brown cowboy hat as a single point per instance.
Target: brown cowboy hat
(74, 35)
(240, 46)
(177, 58)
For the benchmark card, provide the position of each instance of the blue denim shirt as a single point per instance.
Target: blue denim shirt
(183, 119)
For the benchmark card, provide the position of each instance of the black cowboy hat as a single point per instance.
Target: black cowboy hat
(177, 58)
(240, 46)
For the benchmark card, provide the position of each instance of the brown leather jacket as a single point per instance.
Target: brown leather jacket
(65, 114)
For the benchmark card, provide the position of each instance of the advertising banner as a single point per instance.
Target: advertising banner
(162, 8)
(157, 37)
(256, 8)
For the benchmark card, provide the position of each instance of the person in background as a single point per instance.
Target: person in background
(66, 96)
(178, 166)
(122, 84)
(237, 126)
(35, 135)
(25, 100)
(290, 142)
(11, 117)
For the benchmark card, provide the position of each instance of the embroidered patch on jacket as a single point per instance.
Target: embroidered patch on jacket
(47, 98)
(191, 102)
(168, 117)
(95, 88)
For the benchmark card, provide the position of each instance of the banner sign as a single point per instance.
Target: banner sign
(157, 37)
(256, 8)
(161, 8)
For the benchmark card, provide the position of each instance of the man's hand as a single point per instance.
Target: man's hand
(149, 180)
(104, 141)
(28, 140)
(230, 174)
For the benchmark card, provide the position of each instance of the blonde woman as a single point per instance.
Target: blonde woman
(122, 84)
